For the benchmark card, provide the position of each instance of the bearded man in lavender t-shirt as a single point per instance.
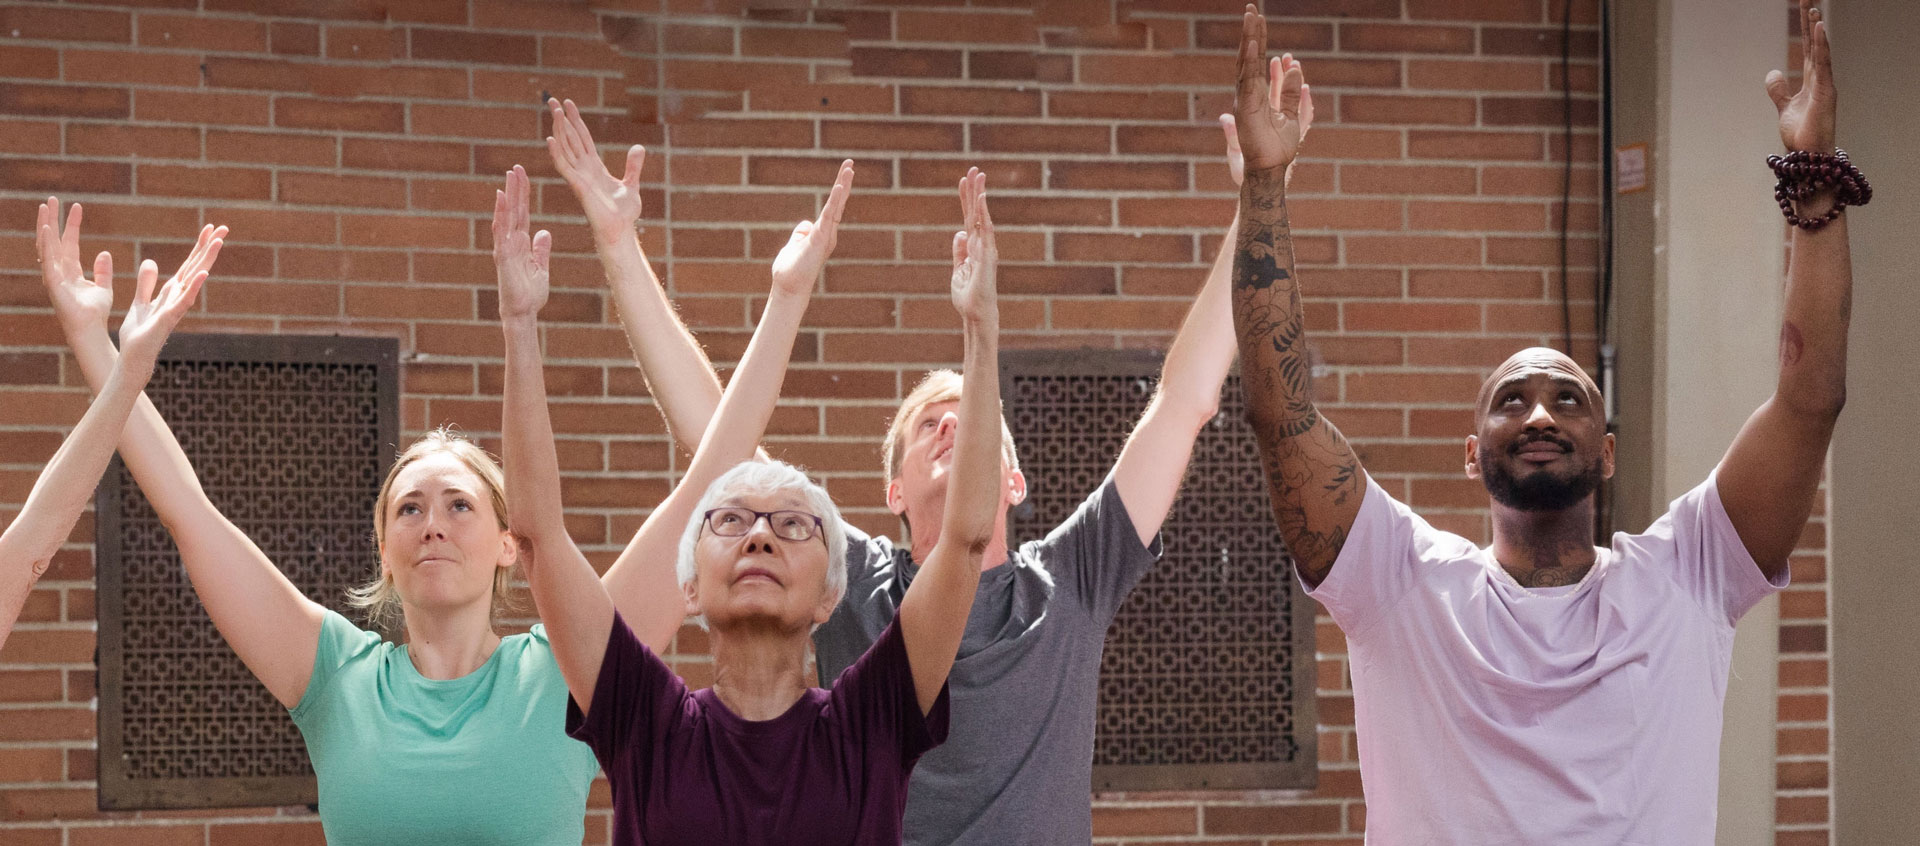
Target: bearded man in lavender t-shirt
(1542, 689)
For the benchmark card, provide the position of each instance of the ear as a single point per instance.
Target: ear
(1473, 456)
(691, 592)
(1016, 488)
(510, 545)
(896, 498)
(824, 610)
(1606, 456)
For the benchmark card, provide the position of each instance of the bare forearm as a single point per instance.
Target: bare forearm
(68, 481)
(679, 376)
(1813, 329)
(532, 465)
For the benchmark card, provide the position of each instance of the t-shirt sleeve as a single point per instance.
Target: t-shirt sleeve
(1098, 552)
(340, 641)
(847, 634)
(1705, 555)
(1376, 565)
(634, 700)
(876, 700)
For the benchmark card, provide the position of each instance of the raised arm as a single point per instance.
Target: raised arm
(272, 626)
(1314, 480)
(1154, 461)
(679, 376)
(1769, 476)
(641, 580)
(933, 615)
(62, 491)
(577, 612)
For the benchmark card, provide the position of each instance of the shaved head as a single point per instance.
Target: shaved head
(1533, 360)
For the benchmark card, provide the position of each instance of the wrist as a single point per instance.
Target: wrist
(608, 234)
(520, 324)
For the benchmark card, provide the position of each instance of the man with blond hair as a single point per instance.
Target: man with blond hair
(1017, 765)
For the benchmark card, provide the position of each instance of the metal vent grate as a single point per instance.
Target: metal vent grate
(1208, 678)
(290, 438)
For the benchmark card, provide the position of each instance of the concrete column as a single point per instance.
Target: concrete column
(1717, 290)
(1875, 576)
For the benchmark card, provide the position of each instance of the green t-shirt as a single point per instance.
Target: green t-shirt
(481, 759)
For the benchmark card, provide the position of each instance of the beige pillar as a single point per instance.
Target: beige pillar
(1875, 575)
(1717, 280)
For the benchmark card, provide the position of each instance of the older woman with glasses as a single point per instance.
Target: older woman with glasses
(759, 757)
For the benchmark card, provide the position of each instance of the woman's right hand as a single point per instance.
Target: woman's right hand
(81, 304)
(519, 259)
(152, 316)
(612, 205)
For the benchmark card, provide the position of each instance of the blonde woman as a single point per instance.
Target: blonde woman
(760, 757)
(62, 491)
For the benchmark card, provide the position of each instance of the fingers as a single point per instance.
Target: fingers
(183, 300)
(1290, 92)
(1777, 89)
(836, 199)
(143, 281)
(985, 220)
(212, 253)
(959, 248)
(581, 139)
(1822, 55)
(1232, 131)
(517, 213)
(103, 270)
(70, 238)
(1306, 108)
(1251, 89)
(542, 247)
(1276, 68)
(636, 158)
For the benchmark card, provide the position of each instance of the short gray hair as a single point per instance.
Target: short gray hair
(769, 477)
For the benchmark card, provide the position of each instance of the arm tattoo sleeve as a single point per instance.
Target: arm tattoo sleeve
(1313, 477)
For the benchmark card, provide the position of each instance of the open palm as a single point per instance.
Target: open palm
(612, 205)
(1276, 72)
(974, 253)
(519, 260)
(799, 262)
(152, 316)
(79, 302)
(1270, 128)
(1807, 117)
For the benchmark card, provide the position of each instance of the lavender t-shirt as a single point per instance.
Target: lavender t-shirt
(831, 770)
(1496, 715)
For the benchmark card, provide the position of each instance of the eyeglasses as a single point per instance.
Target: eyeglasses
(733, 522)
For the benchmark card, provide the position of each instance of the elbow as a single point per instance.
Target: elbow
(1823, 405)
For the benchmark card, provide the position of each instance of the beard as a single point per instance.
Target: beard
(1541, 490)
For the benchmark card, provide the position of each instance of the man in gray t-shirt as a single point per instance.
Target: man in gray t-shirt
(1017, 765)
(1019, 755)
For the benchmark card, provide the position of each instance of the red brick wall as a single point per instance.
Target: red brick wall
(353, 148)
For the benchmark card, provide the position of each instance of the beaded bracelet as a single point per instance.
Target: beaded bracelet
(1802, 174)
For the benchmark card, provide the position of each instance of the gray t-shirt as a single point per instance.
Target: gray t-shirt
(1017, 766)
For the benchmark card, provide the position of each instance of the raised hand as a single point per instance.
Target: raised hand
(799, 262)
(519, 260)
(612, 205)
(1807, 116)
(974, 254)
(152, 316)
(1270, 127)
(80, 304)
(1276, 73)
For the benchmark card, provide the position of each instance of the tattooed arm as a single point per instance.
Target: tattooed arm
(1769, 476)
(1313, 477)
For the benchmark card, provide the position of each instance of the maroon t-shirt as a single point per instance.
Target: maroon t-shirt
(831, 770)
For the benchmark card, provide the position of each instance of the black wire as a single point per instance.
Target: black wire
(1566, 174)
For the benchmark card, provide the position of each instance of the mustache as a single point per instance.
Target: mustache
(1520, 445)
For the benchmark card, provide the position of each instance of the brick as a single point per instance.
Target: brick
(212, 183)
(809, 43)
(328, 189)
(301, 833)
(24, 137)
(1282, 34)
(480, 48)
(1129, 105)
(1476, 75)
(1010, 65)
(182, 834)
(19, 62)
(60, 23)
(197, 32)
(696, 38)
(350, 116)
(1537, 111)
(1477, 11)
(1039, 138)
(1358, 178)
(289, 38)
(131, 66)
(1476, 284)
(118, 140)
(1475, 216)
(1135, 247)
(19, 98)
(66, 176)
(280, 148)
(1002, 174)
(405, 155)
(969, 26)
(984, 102)
(1155, 70)
(1118, 175)
(465, 122)
(1271, 819)
(731, 75)
(1536, 41)
(365, 43)
(900, 62)
(1467, 144)
(1421, 109)
(812, 98)
(1170, 140)
(1404, 38)
(902, 135)
(411, 230)
(202, 107)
